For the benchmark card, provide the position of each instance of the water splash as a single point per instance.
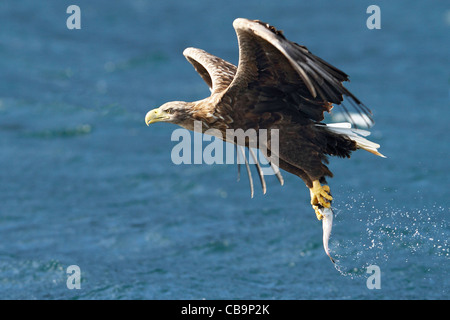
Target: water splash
(386, 235)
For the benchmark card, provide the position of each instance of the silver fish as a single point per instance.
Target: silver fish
(327, 224)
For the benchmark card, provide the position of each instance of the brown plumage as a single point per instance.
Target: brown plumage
(278, 84)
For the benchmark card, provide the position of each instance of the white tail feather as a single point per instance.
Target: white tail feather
(345, 128)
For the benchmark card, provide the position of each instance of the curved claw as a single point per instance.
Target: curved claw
(319, 214)
(320, 198)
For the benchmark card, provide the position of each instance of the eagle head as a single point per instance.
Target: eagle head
(177, 112)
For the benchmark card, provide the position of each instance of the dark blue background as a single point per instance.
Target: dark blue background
(83, 181)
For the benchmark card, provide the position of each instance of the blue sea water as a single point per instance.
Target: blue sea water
(83, 180)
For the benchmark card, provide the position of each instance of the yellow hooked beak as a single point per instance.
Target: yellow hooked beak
(155, 115)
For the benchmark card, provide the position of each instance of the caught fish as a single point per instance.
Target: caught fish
(327, 224)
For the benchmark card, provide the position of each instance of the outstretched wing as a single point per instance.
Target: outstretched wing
(216, 72)
(275, 74)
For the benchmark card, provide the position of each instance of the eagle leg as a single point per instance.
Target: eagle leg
(320, 197)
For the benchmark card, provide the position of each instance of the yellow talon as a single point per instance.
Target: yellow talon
(318, 214)
(320, 196)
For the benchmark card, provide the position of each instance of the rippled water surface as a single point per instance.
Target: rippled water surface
(84, 182)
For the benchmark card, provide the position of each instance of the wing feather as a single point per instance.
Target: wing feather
(216, 72)
(301, 80)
